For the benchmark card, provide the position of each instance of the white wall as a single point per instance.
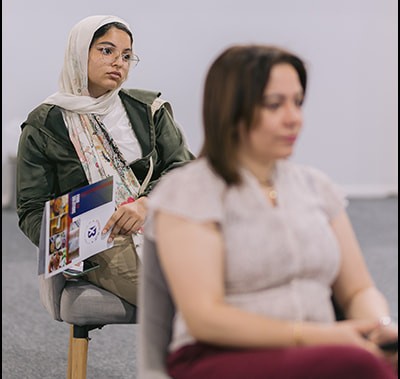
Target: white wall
(350, 47)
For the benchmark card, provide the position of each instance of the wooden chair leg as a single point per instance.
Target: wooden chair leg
(69, 367)
(77, 352)
(79, 357)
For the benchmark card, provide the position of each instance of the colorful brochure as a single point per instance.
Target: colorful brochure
(72, 226)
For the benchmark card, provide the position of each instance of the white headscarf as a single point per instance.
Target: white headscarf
(73, 94)
(99, 156)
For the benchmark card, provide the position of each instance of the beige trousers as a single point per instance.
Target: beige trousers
(119, 269)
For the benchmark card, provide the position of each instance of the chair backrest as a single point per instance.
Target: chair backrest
(156, 313)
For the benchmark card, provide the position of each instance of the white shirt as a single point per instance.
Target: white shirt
(118, 125)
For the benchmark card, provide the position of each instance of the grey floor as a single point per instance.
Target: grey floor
(35, 346)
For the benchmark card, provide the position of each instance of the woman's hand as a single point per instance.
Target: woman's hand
(348, 332)
(386, 332)
(365, 334)
(127, 219)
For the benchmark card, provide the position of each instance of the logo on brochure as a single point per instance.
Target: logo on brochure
(92, 231)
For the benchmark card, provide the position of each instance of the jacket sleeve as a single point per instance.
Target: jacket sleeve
(170, 144)
(35, 178)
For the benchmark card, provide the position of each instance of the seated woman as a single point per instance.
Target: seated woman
(91, 129)
(254, 245)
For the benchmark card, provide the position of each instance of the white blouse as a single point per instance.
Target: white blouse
(280, 261)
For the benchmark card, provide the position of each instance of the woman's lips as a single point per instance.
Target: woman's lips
(115, 75)
(289, 139)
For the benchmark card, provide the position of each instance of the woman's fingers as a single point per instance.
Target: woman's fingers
(125, 220)
(363, 327)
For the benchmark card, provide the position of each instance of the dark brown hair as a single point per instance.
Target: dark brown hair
(233, 92)
(105, 28)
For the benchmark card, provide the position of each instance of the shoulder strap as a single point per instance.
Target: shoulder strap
(158, 103)
(155, 106)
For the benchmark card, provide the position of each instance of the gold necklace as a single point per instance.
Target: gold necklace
(271, 191)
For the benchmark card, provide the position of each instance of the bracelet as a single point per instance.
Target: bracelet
(385, 321)
(297, 335)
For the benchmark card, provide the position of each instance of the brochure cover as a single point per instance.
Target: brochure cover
(72, 226)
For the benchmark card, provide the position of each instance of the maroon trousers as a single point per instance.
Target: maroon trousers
(201, 361)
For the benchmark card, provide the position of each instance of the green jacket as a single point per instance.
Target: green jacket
(48, 166)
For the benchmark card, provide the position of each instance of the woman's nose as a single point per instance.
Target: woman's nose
(118, 60)
(293, 114)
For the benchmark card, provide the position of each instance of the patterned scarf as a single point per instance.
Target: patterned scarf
(100, 157)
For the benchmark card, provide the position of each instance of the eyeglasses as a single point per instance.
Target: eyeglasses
(110, 54)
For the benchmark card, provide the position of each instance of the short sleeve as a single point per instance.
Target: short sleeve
(332, 197)
(192, 191)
